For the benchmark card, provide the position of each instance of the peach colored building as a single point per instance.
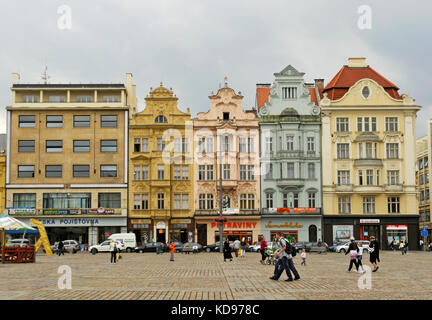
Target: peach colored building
(227, 135)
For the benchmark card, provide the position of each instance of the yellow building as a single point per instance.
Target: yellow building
(2, 181)
(368, 143)
(161, 170)
(423, 171)
(67, 157)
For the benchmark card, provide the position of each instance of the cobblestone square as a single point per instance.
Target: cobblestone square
(205, 276)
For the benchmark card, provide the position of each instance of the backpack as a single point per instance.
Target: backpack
(289, 248)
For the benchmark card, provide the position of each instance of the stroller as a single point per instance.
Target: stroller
(271, 257)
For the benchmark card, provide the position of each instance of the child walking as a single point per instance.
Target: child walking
(303, 256)
(360, 256)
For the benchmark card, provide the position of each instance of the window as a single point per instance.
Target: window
(368, 204)
(210, 205)
(366, 124)
(269, 171)
(30, 99)
(54, 145)
(137, 202)
(296, 200)
(290, 143)
(24, 200)
(343, 177)
(343, 151)
(108, 171)
(226, 116)
(311, 170)
(391, 124)
(161, 172)
(365, 92)
(111, 99)
(201, 145)
(26, 146)
(81, 171)
(202, 201)
(251, 201)
(26, 172)
(201, 172)
(342, 125)
(369, 177)
(290, 170)
(81, 122)
(393, 177)
(210, 172)
(344, 204)
(181, 201)
(137, 172)
(227, 171)
(311, 199)
(53, 171)
(145, 172)
(177, 145)
(161, 119)
(145, 145)
(81, 99)
(242, 147)
(361, 177)
(426, 162)
(226, 143)
(54, 121)
(145, 202)
(243, 172)
(109, 200)
(108, 146)
(311, 144)
(177, 201)
(56, 99)
(160, 144)
(185, 145)
(81, 146)
(289, 93)
(392, 150)
(209, 144)
(185, 172)
(250, 172)
(285, 200)
(421, 179)
(243, 201)
(26, 122)
(161, 201)
(137, 144)
(185, 201)
(66, 200)
(393, 204)
(269, 144)
(108, 121)
(269, 200)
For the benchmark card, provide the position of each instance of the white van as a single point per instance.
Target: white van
(127, 239)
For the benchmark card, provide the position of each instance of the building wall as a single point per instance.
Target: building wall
(2, 182)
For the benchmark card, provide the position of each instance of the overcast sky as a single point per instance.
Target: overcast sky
(191, 45)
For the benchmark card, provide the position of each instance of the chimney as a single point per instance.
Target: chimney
(357, 63)
(15, 78)
(319, 83)
(128, 79)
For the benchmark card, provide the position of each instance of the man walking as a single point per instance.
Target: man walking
(113, 250)
(284, 259)
(236, 247)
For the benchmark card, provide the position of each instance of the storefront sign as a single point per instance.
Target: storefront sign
(397, 227)
(231, 211)
(101, 211)
(81, 222)
(23, 211)
(285, 225)
(160, 225)
(235, 225)
(140, 221)
(186, 221)
(293, 210)
(365, 221)
(56, 211)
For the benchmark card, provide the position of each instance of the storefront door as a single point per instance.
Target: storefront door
(202, 234)
(367, 231)
(161, 235)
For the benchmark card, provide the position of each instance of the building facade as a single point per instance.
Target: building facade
(423, 152)
(67, 157)
(161, 175)
(2, 180)
(368, 143)
(226, 146)
(290, 157)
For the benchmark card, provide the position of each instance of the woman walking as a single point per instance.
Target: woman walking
(243, 246)
(263, 248)
(353, 252)
(227, 250)
(374, 253)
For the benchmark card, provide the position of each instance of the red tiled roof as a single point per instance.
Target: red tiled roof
(347, 77)
(313, 95)
(262, 95)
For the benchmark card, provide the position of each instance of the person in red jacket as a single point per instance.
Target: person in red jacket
(172, 251)
(263, 248)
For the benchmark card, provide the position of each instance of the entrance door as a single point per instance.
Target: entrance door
(312, 233)
(160, 235)
(202, 234)
(366, 231)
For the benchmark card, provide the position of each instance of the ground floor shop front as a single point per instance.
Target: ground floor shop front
(295, 227)
(385, 229)
(235, 227)
(87, 231)
(148, 230)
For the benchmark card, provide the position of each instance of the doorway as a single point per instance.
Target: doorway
(366, 231)
(160, 235)
(312, 233)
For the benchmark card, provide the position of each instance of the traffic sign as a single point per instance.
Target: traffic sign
(424, 232)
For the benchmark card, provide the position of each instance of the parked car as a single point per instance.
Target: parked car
(105, 247)
(311, 246)
(178, 246)
(343, 248)
(18, 243)
(70, 246)
(332, 248)
(128, 239)
(150, 247)
(192, 246)
(254, 247)
(215, 247)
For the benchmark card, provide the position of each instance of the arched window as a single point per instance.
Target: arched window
(161, 119)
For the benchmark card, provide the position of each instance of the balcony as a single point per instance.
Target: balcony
(368, 162)
(229, 184)
(368, 189)
(289, 154)
(344, 188)
(393, 188)
(290, 182)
